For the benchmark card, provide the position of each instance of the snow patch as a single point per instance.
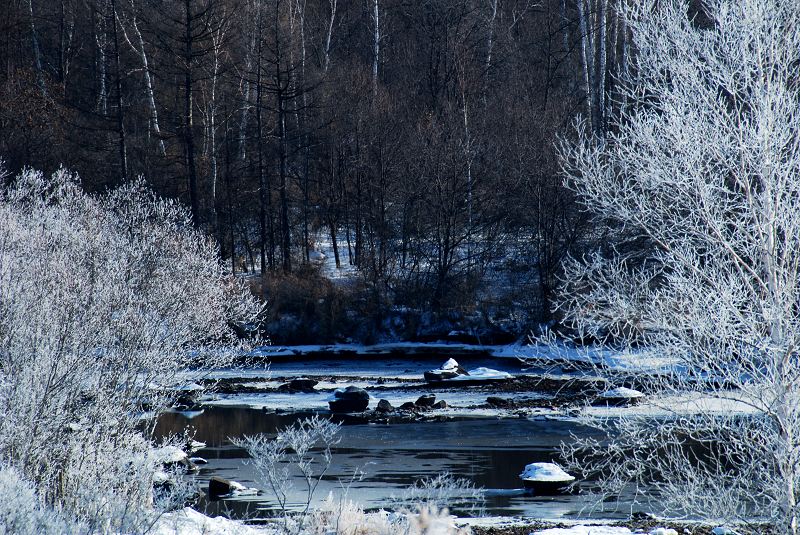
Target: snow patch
(170, 454)
(482, 374)
(622, 393)
(585, 530)
(189, 522)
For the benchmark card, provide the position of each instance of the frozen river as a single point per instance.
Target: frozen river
(374, 463)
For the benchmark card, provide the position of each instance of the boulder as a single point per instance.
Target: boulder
(219, 487)
(384, 406)
(350, 399)
(448, 370)
(441, 404)
(408, 406)
(425, 400)
(545, 478)
(499, 402)
(299, 384)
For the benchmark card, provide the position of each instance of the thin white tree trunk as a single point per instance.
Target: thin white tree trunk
(37, 53)
(600, 72)
(328, 36)
(140, 50)
(489, 46)
(586, 48)
(100, 38)
(376, 50)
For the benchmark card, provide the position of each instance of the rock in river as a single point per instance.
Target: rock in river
(425, 400)
(350, 399)
(449, 370)
(545, 478)
(384, 406)
(299, 384)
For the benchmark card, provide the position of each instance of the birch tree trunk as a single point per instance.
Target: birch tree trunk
(37, 53)
(140, 50)
(376, 48)
(587, 49)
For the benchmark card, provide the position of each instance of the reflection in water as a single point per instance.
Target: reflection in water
(489, 452)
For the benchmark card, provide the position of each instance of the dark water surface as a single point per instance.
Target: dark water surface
(488, 452)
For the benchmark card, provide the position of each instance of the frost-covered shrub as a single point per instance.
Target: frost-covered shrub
(23, 513)
(103, 301)
(291, 454)
(344, 517)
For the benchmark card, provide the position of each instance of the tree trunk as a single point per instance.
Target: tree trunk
(191, 168)
(376, 50)
(37, 53)
(140, 50)
(123, 150)
(586, 58)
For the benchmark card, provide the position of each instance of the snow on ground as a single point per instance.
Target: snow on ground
(322, 254)
(187, 521)
(332, 385)
(170, 454)
(677, 404)
(640, 360)
(481, 374)
(585, 530)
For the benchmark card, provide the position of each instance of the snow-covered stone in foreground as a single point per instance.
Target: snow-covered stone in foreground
(187, 521)
(585, 530)
(241, 490)
(663, 531)
(545, 478)
(160, 477)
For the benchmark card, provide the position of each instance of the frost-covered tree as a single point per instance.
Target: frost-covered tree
(104, 301)
(701, 167)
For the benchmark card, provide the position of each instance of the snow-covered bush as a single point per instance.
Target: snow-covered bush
(702, 168)
(23, 513)
(103, 301)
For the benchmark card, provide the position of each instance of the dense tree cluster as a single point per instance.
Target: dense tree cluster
(415, 138)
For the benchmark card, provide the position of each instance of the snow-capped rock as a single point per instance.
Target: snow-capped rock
(545, 478)
(545, 472)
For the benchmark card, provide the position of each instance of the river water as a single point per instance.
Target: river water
(387, 458)
(375, 463)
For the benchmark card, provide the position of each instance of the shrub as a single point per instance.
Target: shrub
(102, 299)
